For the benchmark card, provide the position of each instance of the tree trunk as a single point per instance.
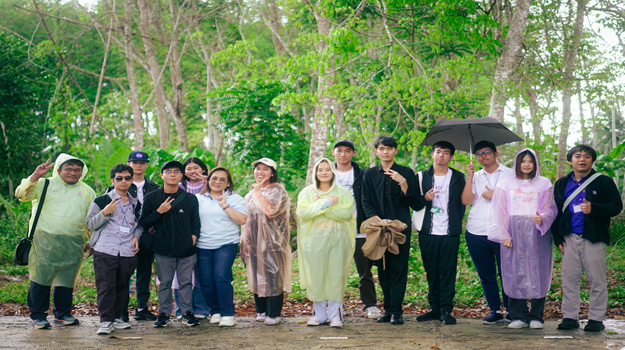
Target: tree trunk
(594, 126)
(159, 93)
(519, 119)
(508, 60)
(582, 121)
(533, 104)
(176, 81)
(572, 43)
(132, 80)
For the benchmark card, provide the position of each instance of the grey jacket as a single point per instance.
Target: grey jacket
(96, 221)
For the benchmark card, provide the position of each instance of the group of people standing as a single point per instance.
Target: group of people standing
(190, 226)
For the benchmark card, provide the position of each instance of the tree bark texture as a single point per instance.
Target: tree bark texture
(137, 118)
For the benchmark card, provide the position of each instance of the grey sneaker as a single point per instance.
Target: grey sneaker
(373, 312)
(518, 324)
(106, 328)
(67, 320)
(189, 319)
(120, 324)
(41, 323)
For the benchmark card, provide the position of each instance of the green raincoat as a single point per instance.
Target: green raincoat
(57, 250)
(325, 240)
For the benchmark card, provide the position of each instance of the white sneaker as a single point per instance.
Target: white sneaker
(272, 321)
(120, 324)
(373, 312)
(227, 321)
(518, 324)
(216, 318)
(336, 321)
(534, 324)
(261, 317)
(314, 321)
(106, 328)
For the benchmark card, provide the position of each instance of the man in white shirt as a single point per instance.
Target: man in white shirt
(478, 191)
(349, 175)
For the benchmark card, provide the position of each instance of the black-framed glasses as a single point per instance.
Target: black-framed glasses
(120, 178)
(70, 170)
(485, 153)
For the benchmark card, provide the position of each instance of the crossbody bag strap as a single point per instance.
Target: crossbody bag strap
(420, 181)
(578, 190)
(39, 207)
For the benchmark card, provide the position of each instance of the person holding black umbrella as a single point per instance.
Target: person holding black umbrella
(439, 238)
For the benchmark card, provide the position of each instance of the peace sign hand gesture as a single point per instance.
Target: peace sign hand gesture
(111, 207)
(165, 206)
(41, 171)
(395, 176)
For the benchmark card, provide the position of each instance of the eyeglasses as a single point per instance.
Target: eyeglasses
(120, 178)
(485, 153)
(169, 172)
(216, 179)
(70, 170)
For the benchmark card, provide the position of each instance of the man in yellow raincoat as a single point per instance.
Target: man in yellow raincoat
(59, 240)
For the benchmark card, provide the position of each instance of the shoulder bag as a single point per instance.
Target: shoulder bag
(23, 247)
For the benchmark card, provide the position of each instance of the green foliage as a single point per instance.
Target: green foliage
(13, 227)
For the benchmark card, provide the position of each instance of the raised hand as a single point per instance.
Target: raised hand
(430, 195)
(585, 207)
(537, 219)
(165, 206)
(488, 194)
(395, 176)
(334, 200)
(41, 170)
(470, 170)
(222, 202)
(111, 207)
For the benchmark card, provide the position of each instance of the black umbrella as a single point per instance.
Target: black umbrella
(465, 133)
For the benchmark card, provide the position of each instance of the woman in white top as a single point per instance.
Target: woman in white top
(221, 213)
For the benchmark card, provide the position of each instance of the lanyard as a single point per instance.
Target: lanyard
(127, 206)
(437, 199)
(496, 179)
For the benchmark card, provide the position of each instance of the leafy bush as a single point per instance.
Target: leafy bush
(13, 227)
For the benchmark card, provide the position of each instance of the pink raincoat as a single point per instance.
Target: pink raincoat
(527, 265)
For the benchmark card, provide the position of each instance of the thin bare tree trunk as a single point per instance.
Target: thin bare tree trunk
(582, 121)
(102, 70)
(594, 126)
(177, 112)
(132, 80)
(519, 118)
(508, 60)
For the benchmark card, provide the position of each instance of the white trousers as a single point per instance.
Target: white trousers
(326, 311)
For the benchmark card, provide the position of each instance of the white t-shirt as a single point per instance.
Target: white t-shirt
(479, 216)
(140, 190)
(346, 179)
(440, 221)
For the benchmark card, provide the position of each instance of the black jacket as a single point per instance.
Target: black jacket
(172, 230)
(605, 202)
(455, 208)
(148, 187)
(360, 212)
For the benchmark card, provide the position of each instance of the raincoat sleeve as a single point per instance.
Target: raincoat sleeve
(498, 230)
(344, 209)
(548, 210)
(28, 191)
(307, 207)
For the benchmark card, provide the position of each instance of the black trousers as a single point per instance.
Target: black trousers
(365, 284)
(270, 306)
(440, 259)
(38, 301)
(393, 276)
(112, 279)
(144, 276)
(517, 309)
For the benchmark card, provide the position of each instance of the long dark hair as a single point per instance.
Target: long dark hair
(519, 160)
(230, 187)
(317, 182)
(193, 160)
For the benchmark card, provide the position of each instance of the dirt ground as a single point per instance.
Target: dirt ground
(360, 333)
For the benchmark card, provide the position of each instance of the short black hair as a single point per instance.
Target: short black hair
(77, 162)
(484, 144)
(120, 168)
(172, 164)
(444, 145)
(388, 141)
(581, 148)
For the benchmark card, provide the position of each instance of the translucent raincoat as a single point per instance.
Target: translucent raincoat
(57, 250)
(527, 265)
(325, 240)
(265, 241)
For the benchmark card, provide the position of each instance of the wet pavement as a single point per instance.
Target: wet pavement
(16, 333)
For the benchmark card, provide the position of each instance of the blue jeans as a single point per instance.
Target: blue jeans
(199, 305)
(215, 272)
(486, 258)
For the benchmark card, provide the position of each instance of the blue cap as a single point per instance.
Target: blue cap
(138, 155)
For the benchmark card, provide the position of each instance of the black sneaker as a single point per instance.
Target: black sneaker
(189, 319)
(568, 324)
(384, 318)
(397, 319)
(429, 316)
(161, 321)
(594, 326)
(447, 318)
(145, 314)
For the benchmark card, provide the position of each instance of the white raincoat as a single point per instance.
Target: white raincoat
(325, 240)
(57, 250)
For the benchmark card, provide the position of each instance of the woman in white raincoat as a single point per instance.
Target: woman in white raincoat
(522, 211)
(325, 240)
(57, 247)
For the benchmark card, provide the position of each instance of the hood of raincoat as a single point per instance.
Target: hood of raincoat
(535, 158)
(61, 159)
(334, 178)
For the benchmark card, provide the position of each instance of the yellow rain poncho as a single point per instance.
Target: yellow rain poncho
(57, 250)
(325, 240)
